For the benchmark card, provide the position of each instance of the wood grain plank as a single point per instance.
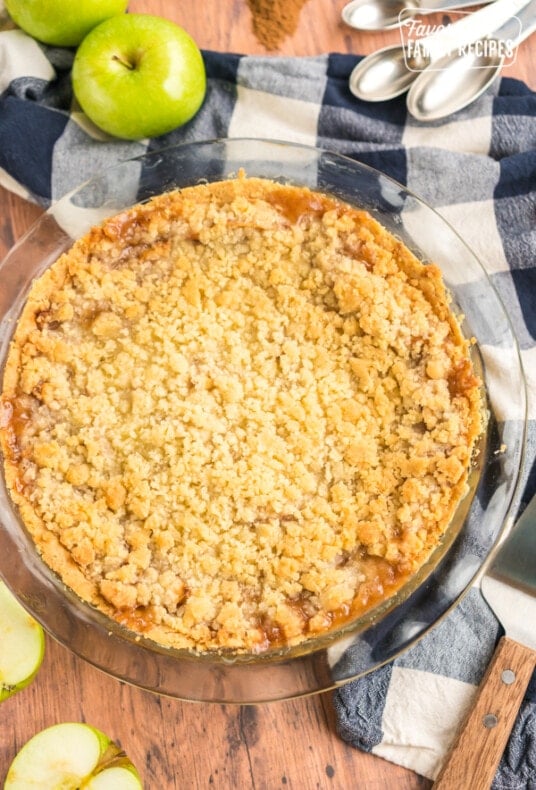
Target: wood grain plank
(290, 745)
(227, 27)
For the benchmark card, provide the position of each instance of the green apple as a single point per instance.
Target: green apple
(63, 23)
(139, 76)
(69, 756)
(22, 645)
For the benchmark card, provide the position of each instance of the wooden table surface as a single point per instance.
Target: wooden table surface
(185, 745)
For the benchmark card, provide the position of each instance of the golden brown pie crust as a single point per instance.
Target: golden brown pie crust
(238, 415)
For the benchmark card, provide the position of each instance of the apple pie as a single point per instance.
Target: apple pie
(238, 416)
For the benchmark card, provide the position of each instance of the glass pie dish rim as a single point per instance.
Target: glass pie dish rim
(314, 649)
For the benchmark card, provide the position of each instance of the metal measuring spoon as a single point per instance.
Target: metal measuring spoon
(390, 71)
(389, 14)
(457, 80)
(385, 74)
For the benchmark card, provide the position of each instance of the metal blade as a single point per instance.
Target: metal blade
(509, 585)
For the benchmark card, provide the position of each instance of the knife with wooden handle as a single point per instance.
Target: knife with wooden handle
(509, 587)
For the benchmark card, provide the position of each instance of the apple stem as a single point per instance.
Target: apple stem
(125, 63)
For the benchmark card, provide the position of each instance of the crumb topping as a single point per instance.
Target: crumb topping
(238, 415)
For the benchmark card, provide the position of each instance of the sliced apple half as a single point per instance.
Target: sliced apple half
(22, 645)
(72, 755)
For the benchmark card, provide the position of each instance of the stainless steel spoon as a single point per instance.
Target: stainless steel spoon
(385, 74)
(390, 71)
(455, 81)
(389, 14)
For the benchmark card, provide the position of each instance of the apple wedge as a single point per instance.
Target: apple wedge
(72, 755)
(22, 645)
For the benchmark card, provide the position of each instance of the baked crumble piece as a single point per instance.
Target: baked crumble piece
(238, 416)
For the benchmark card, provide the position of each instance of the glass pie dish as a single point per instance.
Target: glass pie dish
(367, 642)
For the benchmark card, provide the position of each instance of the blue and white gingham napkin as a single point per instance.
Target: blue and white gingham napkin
(477, 168)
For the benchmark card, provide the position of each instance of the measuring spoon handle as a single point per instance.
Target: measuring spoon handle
(519, 27)
(431, 6)
(471, 27)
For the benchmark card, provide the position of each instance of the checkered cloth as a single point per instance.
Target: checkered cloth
(478, 168)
